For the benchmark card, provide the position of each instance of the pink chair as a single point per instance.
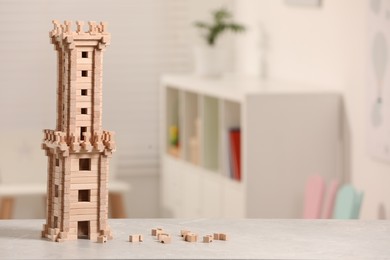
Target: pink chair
(314, 194)
(327, 211)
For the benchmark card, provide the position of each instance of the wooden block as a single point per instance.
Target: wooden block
(159, 235)
(184, 232)
(191, 237)
(82, 211)
(51, 231)
(102, 239)
(84, 61)
(208, 239)
(87, 43)
(136, 238)
(220, 236)
(166, 240)
(223, 236)
(156, 231)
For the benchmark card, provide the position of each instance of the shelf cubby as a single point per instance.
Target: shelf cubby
(172, 120)
(191, 128)
(231, 119)
(210, 133)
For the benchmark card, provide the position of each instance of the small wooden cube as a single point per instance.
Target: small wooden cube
(191, 237)
(136, 238)
(208, 239)
(164, 238)
(184, 232)
(216, 236)
(159, 235)
(223, 236)
(156, 231)
(102, 239)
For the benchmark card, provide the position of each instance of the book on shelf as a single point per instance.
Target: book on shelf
(235, 153)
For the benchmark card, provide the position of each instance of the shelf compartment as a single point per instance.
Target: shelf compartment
(191, 128)
(173, 139)
(210, 133)
(231, 119)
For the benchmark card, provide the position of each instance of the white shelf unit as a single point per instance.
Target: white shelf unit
(288, 132)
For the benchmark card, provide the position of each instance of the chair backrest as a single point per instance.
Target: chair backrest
(358, 204)
(314, 194)
(329, 202)
(348, 203)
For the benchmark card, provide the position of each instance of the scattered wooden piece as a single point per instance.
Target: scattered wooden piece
(164, 238)
(156, 231)
(184, 232)
(191, 237)
(136, 238)
(208, 239)
(220, 236)
(102, 239)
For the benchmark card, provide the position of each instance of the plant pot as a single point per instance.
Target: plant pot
(209, 61)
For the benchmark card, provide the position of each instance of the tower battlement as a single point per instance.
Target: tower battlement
(64, 33)
(65, 28)
(98, 142)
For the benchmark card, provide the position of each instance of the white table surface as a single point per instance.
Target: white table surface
(249, 238)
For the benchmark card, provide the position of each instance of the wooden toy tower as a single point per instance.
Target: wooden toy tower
(78, 150)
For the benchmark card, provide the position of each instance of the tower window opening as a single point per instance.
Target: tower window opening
(84, 73)
(57, 162)
(84, 111)
(84, 92)
(84, 195)
(56, 191)
(85, 164)
(83, 229)
(84, 54)
(83, 129)
(55, 222)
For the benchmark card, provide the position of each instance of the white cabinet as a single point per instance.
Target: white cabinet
(288, 132)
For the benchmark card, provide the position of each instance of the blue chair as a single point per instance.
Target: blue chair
(348, 203)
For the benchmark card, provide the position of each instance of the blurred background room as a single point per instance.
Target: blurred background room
(278, 111)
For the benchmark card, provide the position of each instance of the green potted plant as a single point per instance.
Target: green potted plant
(209, 58)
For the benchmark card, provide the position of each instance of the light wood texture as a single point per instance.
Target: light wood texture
(78, 149)
(6, 207)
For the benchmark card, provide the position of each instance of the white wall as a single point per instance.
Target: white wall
(324, 46)
(149, 37)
